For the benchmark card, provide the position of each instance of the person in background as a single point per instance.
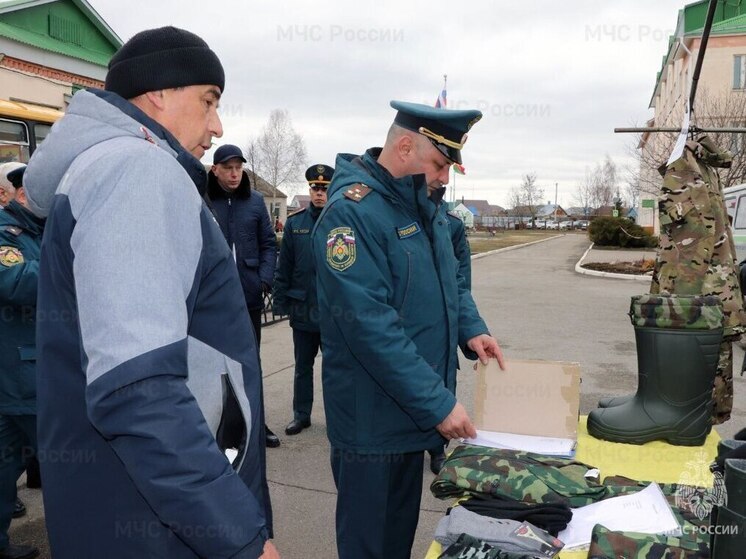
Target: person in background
(7, 190)
(244, 220)
(20, 245)
(294, 294)
(462, 252)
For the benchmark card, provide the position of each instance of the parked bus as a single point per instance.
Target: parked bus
(735, 203)
(23, 126)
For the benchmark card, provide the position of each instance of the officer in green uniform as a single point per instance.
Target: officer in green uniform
(20, 241)
(294, 294)
(392, 314)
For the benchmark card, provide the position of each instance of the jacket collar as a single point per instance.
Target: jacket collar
(409, 191)
(216, 192)
(191, 164)
(314, 211)
(25, 218)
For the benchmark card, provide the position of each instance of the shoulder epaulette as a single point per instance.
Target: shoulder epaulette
(296, 212)
(13, 230)
(357, 192)
(453, 214)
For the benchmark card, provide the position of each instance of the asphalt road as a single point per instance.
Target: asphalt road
(535, 305)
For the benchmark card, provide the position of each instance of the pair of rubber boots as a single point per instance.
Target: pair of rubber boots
(728, 521)
(678, 344)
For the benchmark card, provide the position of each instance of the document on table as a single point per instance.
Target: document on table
(646, 511)
(539, 445)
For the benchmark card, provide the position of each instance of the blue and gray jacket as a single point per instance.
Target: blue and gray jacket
(142, 336)
(392, 310)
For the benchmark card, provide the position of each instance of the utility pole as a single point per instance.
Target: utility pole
(556, 185)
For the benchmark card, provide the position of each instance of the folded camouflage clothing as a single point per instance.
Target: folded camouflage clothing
(495, 531)
(608, 544)
(518, 475)
(468, 547)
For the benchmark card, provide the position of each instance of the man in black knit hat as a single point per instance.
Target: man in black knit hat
(143, 337)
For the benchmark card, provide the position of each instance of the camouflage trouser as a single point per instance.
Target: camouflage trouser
(468, 547)
(722, 391)
(606, 544)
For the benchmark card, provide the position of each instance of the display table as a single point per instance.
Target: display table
(655, 461)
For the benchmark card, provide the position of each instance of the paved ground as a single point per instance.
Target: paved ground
(537, 307)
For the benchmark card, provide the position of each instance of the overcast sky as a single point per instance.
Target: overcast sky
(552, 78)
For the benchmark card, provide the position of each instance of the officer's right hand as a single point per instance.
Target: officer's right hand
(457, 424)
(270, 551)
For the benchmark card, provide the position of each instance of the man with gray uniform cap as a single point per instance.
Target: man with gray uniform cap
(143, 333)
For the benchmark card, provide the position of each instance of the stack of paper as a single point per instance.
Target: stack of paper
(551, 446)
(646, 512)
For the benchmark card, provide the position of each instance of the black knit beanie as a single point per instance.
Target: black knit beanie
(161, 59)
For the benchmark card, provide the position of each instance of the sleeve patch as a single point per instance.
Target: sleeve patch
(10, 256)
(340, 248)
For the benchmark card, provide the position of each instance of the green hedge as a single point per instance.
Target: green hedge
(620, 232)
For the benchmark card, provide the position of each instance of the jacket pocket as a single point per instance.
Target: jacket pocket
(251, 262)
(232, 429)
(27, 352)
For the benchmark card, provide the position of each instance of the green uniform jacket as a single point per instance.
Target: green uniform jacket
(20, 239)
(392, 312)
(294, 288)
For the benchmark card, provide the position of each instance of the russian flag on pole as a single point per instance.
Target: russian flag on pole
(442, 101)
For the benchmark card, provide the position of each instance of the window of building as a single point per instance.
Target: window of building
(739, 71)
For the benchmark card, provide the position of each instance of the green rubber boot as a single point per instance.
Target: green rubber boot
(725, 447)
(678, 340)
(730, 530)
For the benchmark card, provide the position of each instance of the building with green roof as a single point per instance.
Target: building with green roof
(49, 49)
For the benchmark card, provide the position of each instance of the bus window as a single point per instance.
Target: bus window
(41, 131)
(14, 144)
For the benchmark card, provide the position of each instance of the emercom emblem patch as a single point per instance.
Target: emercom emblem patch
(340, 248)
(10, 256)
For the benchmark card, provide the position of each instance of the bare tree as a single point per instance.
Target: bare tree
(278, 154)
(631, 192)
(515, 202)
(584, 191)
(719, 110)
(532, 195)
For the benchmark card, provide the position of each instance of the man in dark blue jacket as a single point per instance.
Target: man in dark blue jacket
(20, 242)
(244, 220)
(392, 313)
(295, 294)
